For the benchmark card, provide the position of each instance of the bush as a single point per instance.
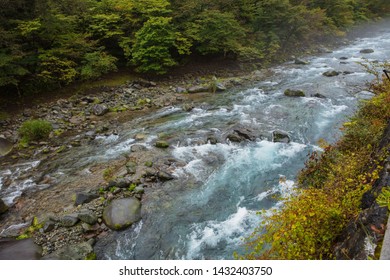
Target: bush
(33, 130)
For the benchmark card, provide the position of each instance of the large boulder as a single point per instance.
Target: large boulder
(294, 93)
(3, 207)
(280, 136)
(122, 213)
(81, 251)
(100, 109)
(26, 249)
(5, 146)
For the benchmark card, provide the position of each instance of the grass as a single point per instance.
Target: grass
(34, 130)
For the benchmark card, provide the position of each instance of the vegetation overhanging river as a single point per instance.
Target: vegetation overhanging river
(212, 204)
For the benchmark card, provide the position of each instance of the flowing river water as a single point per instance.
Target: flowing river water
(213, 203)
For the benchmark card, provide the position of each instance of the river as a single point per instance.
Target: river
(213, 204)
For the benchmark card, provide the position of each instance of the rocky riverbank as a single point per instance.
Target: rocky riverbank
(65, 218)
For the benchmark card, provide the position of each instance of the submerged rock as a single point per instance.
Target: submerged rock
(318, 95)
(26, 249)
(294, 93)
(122, 213)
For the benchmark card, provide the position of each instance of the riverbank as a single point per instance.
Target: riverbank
(79, 125)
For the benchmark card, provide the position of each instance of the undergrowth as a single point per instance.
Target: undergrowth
(330, 188)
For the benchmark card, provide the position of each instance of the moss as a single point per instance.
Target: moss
(91, 256)
(61, 149)
(132, 187)
(108, 174)
(149, 164)
(35, 225)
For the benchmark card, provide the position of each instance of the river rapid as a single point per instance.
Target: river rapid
(213, 204)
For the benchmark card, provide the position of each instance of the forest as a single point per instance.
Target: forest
(47, 44)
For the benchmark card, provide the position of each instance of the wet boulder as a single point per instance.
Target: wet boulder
(331, 73)
(187, 107)
(26, 249)
(299, 61)
(3, 207)
(122, 213)
(162, 144)
(294, 93)
(240, 134)
(366, 51)
(318, 95)
(280, 136)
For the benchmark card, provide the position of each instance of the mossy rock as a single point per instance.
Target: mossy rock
(294, 93)
(162, 144)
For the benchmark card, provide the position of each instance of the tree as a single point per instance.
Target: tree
(97, 63)
(214, 32)
(153, 42)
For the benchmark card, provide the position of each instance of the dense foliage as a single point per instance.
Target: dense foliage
(50, 43)
(330, 189)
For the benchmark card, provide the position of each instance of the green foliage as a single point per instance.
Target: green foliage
(108, 174)
(96, 64)
(384, 198)
(331, 188)
(35, 225)
(132, 187)
(34, 130)
(216, 32)
(52, 43)
(151, 50)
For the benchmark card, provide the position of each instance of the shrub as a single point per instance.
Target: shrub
(33, 130)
